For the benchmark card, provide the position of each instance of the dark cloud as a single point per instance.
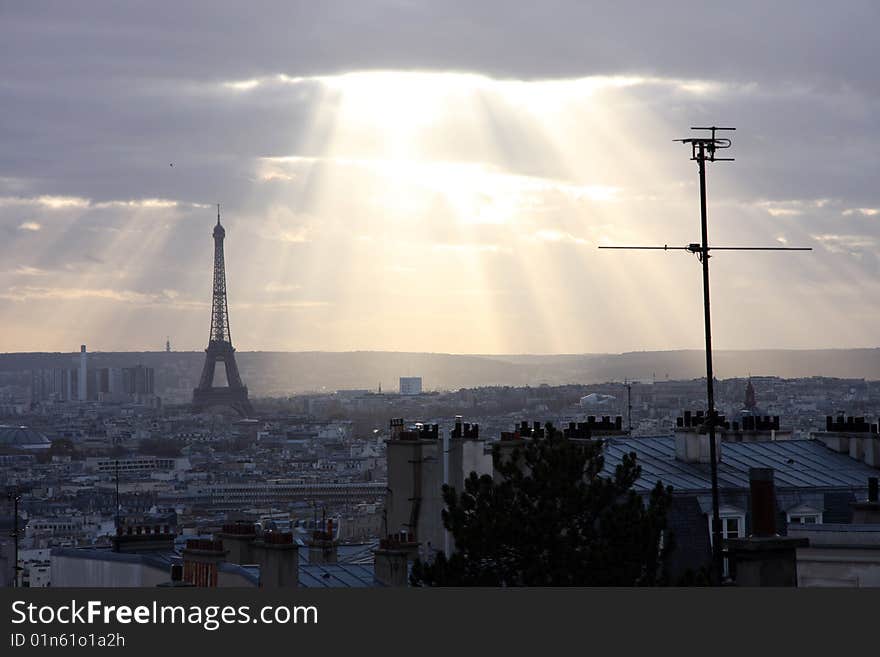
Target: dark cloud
(98, 98)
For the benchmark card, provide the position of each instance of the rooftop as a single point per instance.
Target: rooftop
(796, 463)
(22, 437)
(345, 575)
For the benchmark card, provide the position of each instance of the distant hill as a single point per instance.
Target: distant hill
(287, 372)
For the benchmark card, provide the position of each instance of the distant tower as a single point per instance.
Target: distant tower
(83, 382)
(235, 394)
(749, 402)
(168, 345)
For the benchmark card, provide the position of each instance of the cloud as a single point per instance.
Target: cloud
(31, 226)
(471, 248)
(865, 212)
(558, 236)
(356, 161)
(46, 201)
(846, 243)
(64, 202)
(26, 293)
(792, 207)
(25, 270)
(281, 305)
(282, 287)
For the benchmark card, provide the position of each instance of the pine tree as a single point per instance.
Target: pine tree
(553, 519)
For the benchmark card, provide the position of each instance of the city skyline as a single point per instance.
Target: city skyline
(394, 192)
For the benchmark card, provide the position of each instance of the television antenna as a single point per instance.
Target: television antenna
(703, 149)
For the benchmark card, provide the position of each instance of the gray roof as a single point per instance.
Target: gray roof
(797, 464)
(22, 437)
(352, 553)
(339, 575)
(250, 572)
(344, 575)
(157, 559)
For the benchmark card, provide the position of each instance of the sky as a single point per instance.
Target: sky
(436, 176)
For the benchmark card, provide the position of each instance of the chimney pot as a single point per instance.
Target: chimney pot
(763, 501)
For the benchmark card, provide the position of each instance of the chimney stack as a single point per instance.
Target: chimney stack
(391, 560)
(692, 439)
(867, 512)
(322, 545)
(762, 492)
(201, 558)
(238, 538)
(278, 556)
(396, 427)
(764, 558)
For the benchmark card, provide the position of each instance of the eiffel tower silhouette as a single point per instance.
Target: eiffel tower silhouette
(235, 394)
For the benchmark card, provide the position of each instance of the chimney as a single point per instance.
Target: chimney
(692, 441)
(238, 538)
(867, 512)
(201, 558)
(762, 493)
(396, 427)
(278, 557)
(871, 449)
(322, 545)
(391, 560)
(764, 558)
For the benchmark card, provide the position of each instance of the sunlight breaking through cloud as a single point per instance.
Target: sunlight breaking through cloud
(361, 206)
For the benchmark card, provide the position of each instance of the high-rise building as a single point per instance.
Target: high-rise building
(138, 380)
(83, 386)
(410, 385)
(117, 384)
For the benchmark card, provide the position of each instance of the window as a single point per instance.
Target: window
(805, 519)
(732, 526)
(804, 514)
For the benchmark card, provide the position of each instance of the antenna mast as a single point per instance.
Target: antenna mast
(703, 149)
(14, 495)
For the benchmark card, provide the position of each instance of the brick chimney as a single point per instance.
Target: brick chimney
(764, 558)
(201, 558)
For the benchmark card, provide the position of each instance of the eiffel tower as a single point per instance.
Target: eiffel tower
(235, 394)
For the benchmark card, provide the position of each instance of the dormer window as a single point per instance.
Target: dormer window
(803, 514)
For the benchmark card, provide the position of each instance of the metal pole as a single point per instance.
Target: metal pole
(15, 498)
(629, 407)
(447, 548)
(717, 556)
(117, 494)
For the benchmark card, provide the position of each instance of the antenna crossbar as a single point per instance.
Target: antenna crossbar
(695, 248)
